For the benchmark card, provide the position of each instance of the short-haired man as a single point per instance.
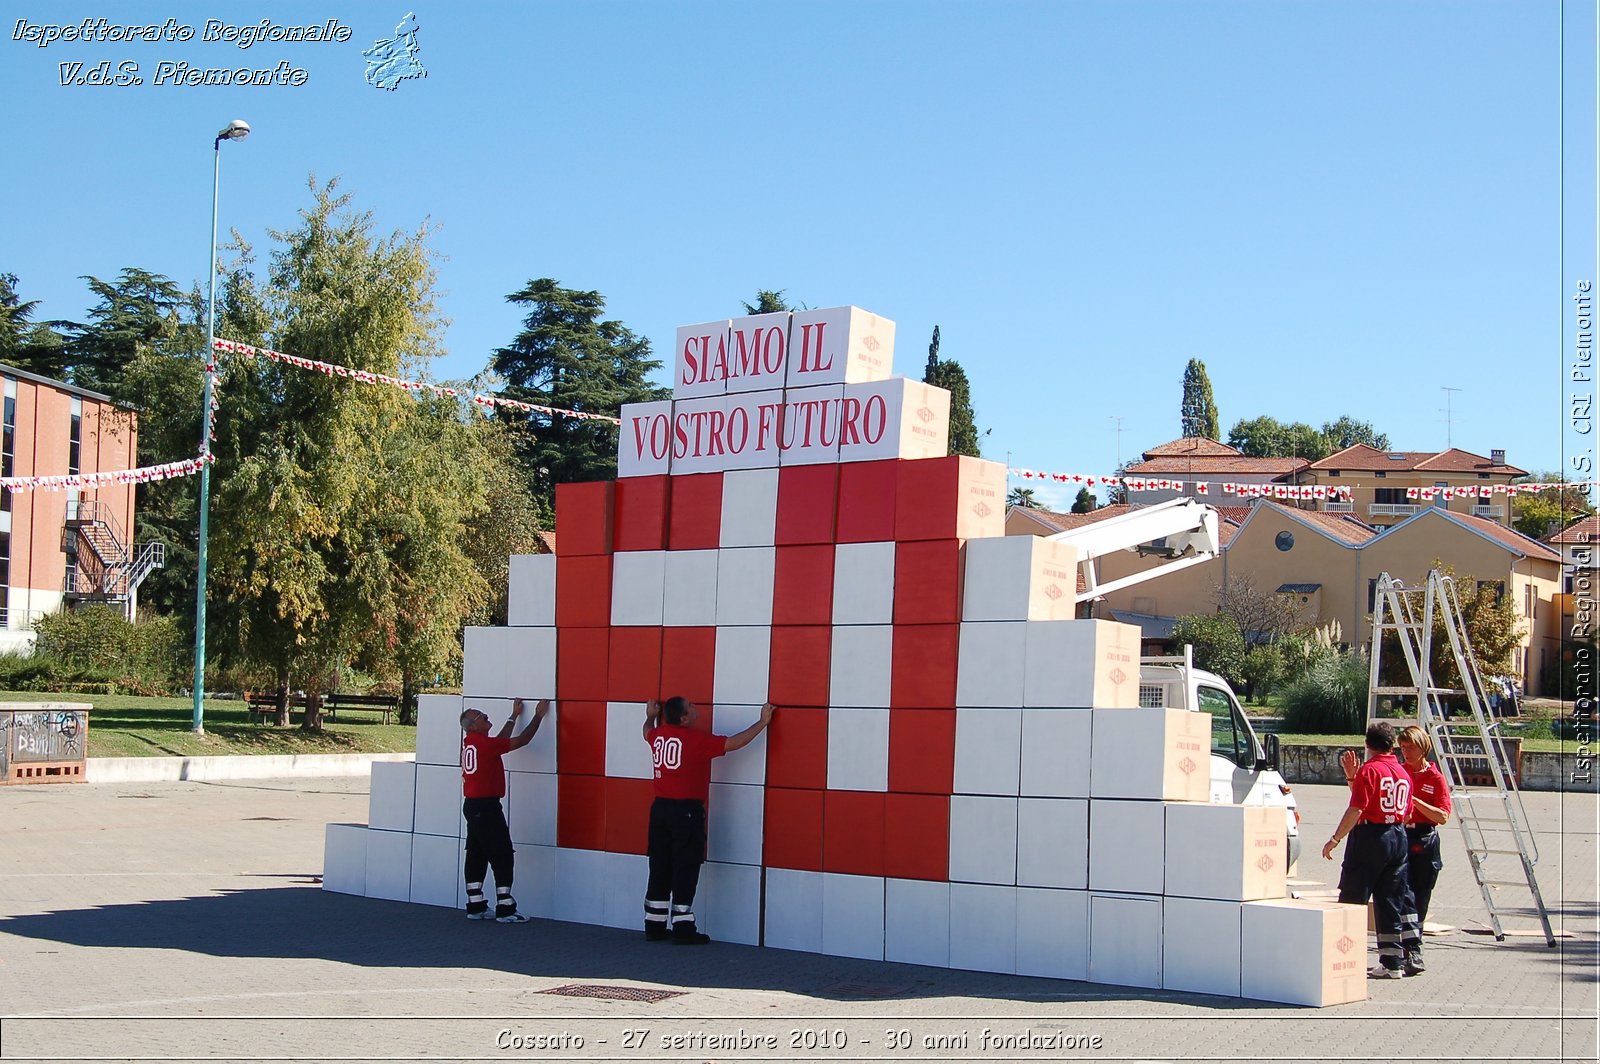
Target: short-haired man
(682, 757)
(483, 784)
(1375, 861)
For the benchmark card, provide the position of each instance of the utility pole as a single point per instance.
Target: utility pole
(1118, 419)
(1449, 419)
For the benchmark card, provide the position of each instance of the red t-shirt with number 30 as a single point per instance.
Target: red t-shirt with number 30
(1382, 791)
(682, 758)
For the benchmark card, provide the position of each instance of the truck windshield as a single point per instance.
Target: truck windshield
(1228, 739)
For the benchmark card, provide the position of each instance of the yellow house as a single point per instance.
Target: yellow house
(1390, 486)
(1328, 564)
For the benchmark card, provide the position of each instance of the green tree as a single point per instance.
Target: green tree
(1024, 498)
(1218, 646)
(949, 375)
(1543, 513)
(137, 312)
(768, 302)
(1347, 432)
(509, 523)
(1084, 503)
(1267, 437)
(1262, 668)
(34, 346)
(1199, 409)
(568, 356)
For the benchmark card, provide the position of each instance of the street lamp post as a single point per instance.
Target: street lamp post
(238, 129)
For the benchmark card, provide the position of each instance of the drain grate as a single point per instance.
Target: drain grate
(613, 993)
(864, 990)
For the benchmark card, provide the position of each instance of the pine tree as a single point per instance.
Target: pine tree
(1199, 411)
(949, 375)
(1084, 503)
(768, 301)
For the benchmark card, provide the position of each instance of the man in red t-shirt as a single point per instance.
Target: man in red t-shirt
(682, 756)
(483, 784)
(1375, 861)
(1430, 807)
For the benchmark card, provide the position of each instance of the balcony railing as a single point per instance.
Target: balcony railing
(1345, 507)
(1484, 510)
(1392, 509)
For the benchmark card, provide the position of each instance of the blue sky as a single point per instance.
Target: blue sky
(1340, 208)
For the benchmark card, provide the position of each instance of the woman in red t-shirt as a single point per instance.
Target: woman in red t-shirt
(1430, 807)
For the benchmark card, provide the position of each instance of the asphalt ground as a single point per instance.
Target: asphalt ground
(184, 921)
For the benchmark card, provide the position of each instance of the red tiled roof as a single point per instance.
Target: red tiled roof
(1191, 446)
(547, 540)
(1508, 537)
(1455, 460)
(1582, 531)
(1231, 516)
(1203, 465)
(1342, 527)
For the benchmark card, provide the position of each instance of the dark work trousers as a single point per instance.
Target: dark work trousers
(1375, 869)
(677, 846)
(1422, 865)
(488, 841)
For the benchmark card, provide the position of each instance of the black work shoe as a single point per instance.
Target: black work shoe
(1414, 963)
(656, 932)
(686, 934)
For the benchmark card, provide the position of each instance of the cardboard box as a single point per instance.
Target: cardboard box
(866, 501)
(734, 815)
(509, 662)
(1053, 933)
(863, 583)
(640, 518)
(950, 498)
(1303, 951)
(1055, 752)
(1053, 843)
(798, 673)
(744, 656)
(583, 663)
(531, 808)
(535, 891)
(689, 588)
(700, 364)
(539, 755)
(748, 765)
(839, 345)
(992, 666)
(1127, 846)
(924, 666)
(853, 916)
(791, 833)
(627, 753)
(1081, 664)
(688, 664)
(922, 751)
(802, 591)
(983, 928)
(581, 738)
(917, 922)
(809, 433)
(1124, 940)
(644, 441)
(581, 812)
(439, 730)
(626, 876)
(1153, 754)
(758, 352)
(438, 808)
(581, 878)
(434, 871)
(344, 859)
(752, 437)
(749, 507)
(531, 595)
(638, 587)
(927, 582)
(894, 418)
(852, 832)
(1020, 578)
(1200, 946)
(793, 915)
(1227, 852)
(392, 797)
(988, 751)
(388, 865)
(628, 817)
(858, 749)
(744, 585)
(983, 839)
(728, 904)
(807, 499)
(860, 666)
(694, 520)
(634, 665)
(583, 591)
(583, 517)
(699, 435)
(797, 748)
(916, 836)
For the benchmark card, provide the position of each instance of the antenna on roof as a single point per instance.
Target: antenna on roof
(1449, 419)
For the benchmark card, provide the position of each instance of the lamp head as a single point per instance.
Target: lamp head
(238, 129)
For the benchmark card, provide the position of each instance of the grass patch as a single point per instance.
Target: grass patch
(131, 726)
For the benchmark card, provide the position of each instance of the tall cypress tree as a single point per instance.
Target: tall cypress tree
(1199, 410)
(949, 375)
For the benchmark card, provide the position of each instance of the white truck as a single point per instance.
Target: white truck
(1181, 533)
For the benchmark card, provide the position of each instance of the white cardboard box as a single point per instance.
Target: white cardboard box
(530, 806)
(638, 587)
(852, 916)
(1125, 940)
(434, 871)
(626, 877)
(863, 583)
(810, 430)
(1151, 754)
(749, 507)
(744, 586)
(535, 887)
(344, 859)
(793, 911)
(754, 434)
(1227, 852)
(1126, 846)
(983, 840)
(1020, 578)
(983, 928)
(839, 345)
(858, 749)
(439, 730)
(581, 886)
(988, 750)
(1082, 664)
(991, 669)
(540, 754)
(690, 589)
(1303, 951)
(758, 352)
(1053, 842)
(699, 435)
(531, 594)
(728, 904)
(392, 798)
(1055, 752)
(1200, 946)
(509, 663)
(1053, 933)
(917, 922)
(748, 765)
(894, 418)
(644, 439)
(388, 865)
(438, 809)
(744, 657)
(860, 665)
(700, 362)
(627, 754)
(734, 816)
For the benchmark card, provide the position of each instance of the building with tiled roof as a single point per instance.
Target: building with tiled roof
(1386, 486)
(1576, 544)
(1195, 460)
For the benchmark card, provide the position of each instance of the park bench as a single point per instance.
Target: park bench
(264, 704)
(386, 704)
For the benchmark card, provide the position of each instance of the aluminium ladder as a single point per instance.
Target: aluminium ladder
(1494, 824)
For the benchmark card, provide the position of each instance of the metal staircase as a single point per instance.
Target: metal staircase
(1494, 825)
(103, 569)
